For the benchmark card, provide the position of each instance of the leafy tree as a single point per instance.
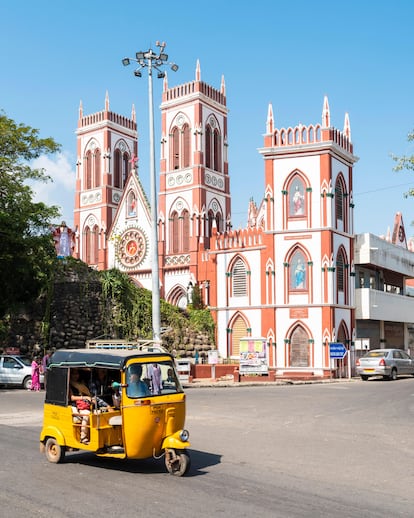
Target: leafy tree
(406, 162)
(26, 249)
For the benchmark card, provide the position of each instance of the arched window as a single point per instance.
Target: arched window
(341, 278)
(299, 348)
(239, 279)
(174, 235)
(340, 210)
(186, 231)
(97, 168)
(117, 169)
(175, 148)
(125, 168)
(219, 222)
(298, 272)
(208, 146)
(88, 170)
(217, 151)
(239, 330)
(297, 198)
(94, 245)
(186, 145)
(87, 245)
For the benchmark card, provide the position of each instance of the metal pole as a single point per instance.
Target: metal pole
(156, 318)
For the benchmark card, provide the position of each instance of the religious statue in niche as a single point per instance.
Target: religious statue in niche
(297, 200)
(132, 205)
(64, 239)
(298, 273)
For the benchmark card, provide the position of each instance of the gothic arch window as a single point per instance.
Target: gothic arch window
(238, 331)
(297, 198)
(186, 231)
(125, 170)
(117, 169)
(298, 270)
(186, 145)
(97, 168)
(219, 222)
(217, 150)
(208, 146)
(341, 277)
(87, 245)
(94, 245)
(340, 208)
(299, 348)
(175, 148)
(239, 279)
(174, 234)
(88, 170)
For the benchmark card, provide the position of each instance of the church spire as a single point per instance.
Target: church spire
(107, 101)
(165, 83)
(80, 109)
(269, 122)
(198, 71)
(347, 127)
(223, 86)
(133, 114)
(326, 116)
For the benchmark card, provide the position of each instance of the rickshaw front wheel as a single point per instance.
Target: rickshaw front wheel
(177, 462)
(54, 452)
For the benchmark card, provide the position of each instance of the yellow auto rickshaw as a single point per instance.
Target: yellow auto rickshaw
(133, 406)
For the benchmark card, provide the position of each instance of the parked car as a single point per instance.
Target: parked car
(388, 363)
(16, 371)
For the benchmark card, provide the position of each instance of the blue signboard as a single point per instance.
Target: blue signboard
(337, 351)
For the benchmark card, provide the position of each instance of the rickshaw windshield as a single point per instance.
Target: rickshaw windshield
(151, 379)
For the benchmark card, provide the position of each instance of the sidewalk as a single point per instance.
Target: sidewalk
(223, 383)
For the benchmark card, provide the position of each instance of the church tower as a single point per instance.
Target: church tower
(107, 149)
(194, 194)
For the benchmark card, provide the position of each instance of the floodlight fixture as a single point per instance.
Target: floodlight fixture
(125, 62)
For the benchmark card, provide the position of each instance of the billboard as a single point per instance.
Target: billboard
(253, 355)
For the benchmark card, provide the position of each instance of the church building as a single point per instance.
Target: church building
(287, 277)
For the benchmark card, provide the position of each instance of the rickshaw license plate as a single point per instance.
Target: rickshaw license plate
(369, 370)
(158, 409)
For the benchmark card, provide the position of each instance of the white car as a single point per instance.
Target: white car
(16, 371)
(388, 363)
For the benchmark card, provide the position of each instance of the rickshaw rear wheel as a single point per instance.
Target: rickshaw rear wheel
(54, 452)
(178, 463)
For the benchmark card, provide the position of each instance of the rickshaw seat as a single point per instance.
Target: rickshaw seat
(115, 420)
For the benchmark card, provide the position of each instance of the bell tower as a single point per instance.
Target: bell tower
(194, 192)
(107, 149)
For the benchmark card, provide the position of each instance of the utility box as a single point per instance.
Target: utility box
(183, 369)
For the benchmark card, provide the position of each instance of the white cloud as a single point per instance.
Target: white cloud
(60, 190)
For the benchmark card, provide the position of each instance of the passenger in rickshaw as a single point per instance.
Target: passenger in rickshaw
(136, 386)
(99, 387)
(81, 398)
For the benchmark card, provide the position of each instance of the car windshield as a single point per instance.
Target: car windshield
(25, 360)
(376, 354)
(151, 379)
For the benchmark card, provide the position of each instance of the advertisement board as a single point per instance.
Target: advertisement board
(253, 355)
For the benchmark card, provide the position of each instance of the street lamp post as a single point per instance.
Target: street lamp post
(153, 60)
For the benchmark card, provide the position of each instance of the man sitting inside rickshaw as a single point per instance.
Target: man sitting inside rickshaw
(80, 396)
(136, 386)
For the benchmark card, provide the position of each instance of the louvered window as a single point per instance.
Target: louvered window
(239, 278)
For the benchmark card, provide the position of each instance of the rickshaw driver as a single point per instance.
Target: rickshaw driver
(136, 387)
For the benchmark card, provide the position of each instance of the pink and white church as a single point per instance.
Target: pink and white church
(288, 276)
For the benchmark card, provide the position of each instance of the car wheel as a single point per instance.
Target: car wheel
(27, 383)
(364, 377)
(54, 452)
(393, 375)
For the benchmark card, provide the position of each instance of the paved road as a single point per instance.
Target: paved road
(337, 449)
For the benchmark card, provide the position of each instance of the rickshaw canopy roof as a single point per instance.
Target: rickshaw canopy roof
(107, 358)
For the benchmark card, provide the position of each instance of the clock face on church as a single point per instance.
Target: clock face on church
(132, 247)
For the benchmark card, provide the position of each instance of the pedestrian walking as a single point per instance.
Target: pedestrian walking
(35, 374)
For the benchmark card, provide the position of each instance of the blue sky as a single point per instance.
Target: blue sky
(290, 54)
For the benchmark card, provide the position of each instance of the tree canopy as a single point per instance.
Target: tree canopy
(406, 162)
(26, 250)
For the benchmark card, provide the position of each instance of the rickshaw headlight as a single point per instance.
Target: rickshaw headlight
(184, 435)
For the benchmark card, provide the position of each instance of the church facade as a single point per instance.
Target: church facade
(287, 277)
